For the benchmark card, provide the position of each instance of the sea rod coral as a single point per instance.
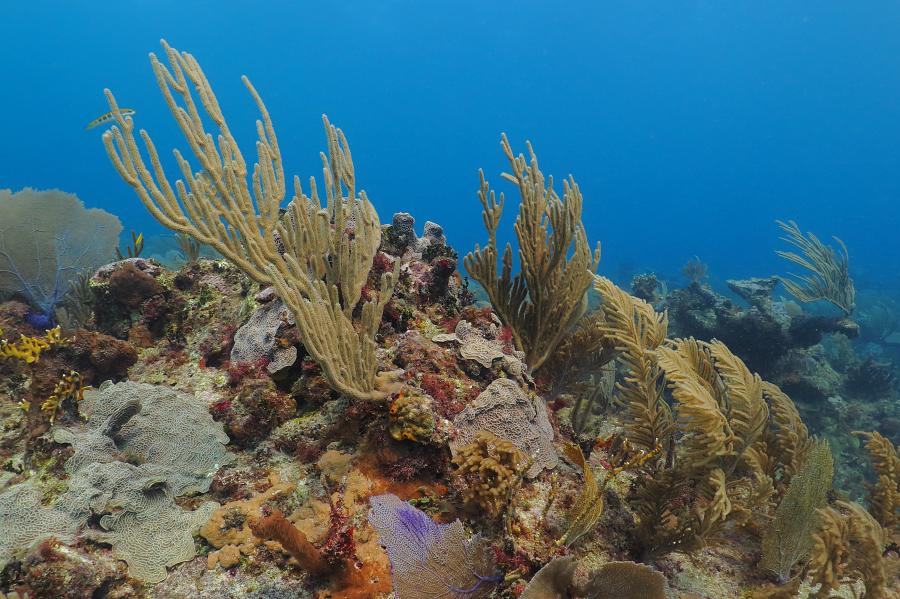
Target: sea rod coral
(318, 258)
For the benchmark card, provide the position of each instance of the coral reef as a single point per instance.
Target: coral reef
(412, 444)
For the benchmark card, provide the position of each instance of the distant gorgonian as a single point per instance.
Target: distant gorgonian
(48, 238)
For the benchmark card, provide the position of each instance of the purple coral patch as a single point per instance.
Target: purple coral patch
(430, 560)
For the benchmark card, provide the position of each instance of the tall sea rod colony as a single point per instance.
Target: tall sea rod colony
(321, 407)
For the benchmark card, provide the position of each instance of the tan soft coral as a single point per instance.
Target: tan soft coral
(488, 472)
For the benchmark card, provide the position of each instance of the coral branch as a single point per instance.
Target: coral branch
(275, 527)
(829, 277)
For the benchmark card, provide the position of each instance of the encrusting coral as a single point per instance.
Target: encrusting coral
(318, 258)
(276, 527)
(229, 530)
(829, 277)
(547, 297)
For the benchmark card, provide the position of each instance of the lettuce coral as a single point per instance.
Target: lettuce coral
(178, 448)
(167, 431)
(26, 521)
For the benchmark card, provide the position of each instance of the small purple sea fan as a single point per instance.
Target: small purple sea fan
(431, 560)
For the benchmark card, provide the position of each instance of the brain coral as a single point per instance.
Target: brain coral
(26, 521)
(256, 339)
(143, 446)
(507, 411)
(167, 432)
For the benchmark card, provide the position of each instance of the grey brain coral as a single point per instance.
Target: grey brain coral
(506, 410)
(178, 446)
(167, 432)
(26, 521)
(255, 340)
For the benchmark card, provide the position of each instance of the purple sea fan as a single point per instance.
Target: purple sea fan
(431, 560)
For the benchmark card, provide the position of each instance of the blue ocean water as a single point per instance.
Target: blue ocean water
(690, 126)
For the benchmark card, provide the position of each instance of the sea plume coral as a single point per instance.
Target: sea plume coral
(884, 495)
(848, 544)
(723, 448)
(47, 238)
(431, 560)
(547, 297)
(829, 277)
(635, 329)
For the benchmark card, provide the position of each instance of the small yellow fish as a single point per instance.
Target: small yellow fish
(109, 117)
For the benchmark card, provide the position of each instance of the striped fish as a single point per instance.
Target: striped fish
(109, 117)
